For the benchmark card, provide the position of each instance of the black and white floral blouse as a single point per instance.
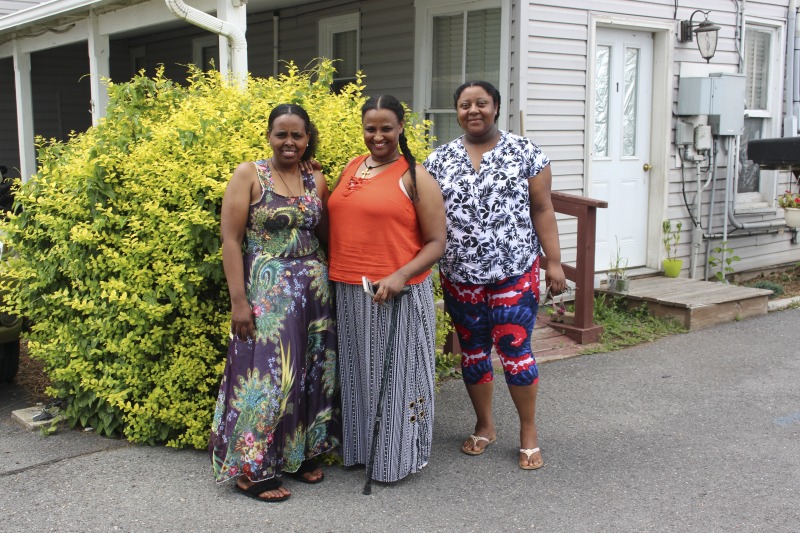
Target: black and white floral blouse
(490, 235)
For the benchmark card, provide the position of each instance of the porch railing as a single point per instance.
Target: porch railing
(583, 330)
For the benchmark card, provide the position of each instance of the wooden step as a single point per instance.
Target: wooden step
(693, 303)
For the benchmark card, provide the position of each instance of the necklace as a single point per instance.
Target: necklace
(291, 192)
(367, 170)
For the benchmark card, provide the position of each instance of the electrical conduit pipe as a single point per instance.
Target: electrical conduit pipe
(791, 84)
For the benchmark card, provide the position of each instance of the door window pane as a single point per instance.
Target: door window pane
(629, 105)
(603, 77)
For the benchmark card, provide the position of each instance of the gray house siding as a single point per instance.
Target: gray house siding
(260, 61)
(61, 92)
(168, 46)
(387, 48)
(387, 44)
(61, 87)
(9, 140)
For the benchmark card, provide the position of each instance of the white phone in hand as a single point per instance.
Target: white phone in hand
(369, 287)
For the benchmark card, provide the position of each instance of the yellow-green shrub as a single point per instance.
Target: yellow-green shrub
(117, 258)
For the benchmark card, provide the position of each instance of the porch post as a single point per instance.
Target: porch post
(98, 68)
(23, 88)
(233, 60)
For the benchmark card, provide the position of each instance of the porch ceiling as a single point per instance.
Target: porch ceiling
(22, 18)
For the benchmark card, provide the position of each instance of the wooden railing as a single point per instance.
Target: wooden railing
(583, 330)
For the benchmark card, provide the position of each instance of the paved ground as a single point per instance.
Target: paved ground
(695, 432)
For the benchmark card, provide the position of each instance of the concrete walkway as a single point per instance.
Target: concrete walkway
(694, 432)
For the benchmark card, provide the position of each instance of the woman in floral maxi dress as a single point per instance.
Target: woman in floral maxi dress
(277, 406)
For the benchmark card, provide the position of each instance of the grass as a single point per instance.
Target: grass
(623, 328)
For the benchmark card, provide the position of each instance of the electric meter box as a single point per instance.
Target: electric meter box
(720, 96)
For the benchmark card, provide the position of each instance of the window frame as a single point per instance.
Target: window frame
(426, 11)
(764, 200)
(330, 26)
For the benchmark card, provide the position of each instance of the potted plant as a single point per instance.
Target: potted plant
(617, 274)
(671, 237)
(790, 202)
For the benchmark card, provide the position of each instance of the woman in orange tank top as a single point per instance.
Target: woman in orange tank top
(387, 224)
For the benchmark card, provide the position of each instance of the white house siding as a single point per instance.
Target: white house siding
(9, 141)
(554, 82)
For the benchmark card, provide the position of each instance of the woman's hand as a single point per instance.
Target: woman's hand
(310, 165)
(242, 323)
(554, 278)
(389, 287)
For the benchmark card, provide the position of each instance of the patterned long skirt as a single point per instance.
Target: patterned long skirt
(406, 426)
(277, 403)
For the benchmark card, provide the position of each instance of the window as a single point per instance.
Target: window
(463, 42)
(339, 40)
(756, 188)
(205, 52)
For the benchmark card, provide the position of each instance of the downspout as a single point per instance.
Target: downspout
(237, 43)
(790, 86)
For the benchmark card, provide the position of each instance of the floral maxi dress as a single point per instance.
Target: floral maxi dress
(277, 403)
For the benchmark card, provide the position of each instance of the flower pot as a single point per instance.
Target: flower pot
(621, 285)
(672, 267)
(792, 216)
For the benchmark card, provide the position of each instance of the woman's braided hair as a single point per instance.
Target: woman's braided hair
(387, 101)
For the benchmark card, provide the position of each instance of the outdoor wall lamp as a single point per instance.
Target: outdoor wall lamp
(706, 32)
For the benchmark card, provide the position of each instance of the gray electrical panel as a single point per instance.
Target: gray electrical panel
(720, 96)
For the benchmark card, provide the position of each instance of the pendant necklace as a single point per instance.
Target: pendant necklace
(366, 171)
(300, 205)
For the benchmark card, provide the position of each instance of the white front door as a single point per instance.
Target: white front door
(621, 153)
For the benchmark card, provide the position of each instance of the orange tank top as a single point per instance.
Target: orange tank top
(373, 226)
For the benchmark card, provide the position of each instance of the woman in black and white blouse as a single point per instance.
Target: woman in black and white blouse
(500, 218)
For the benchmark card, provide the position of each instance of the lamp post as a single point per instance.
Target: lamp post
(706, 34)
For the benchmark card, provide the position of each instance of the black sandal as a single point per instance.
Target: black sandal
(254, 491)
(306, 467)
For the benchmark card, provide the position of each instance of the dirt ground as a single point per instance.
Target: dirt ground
(788, 280)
